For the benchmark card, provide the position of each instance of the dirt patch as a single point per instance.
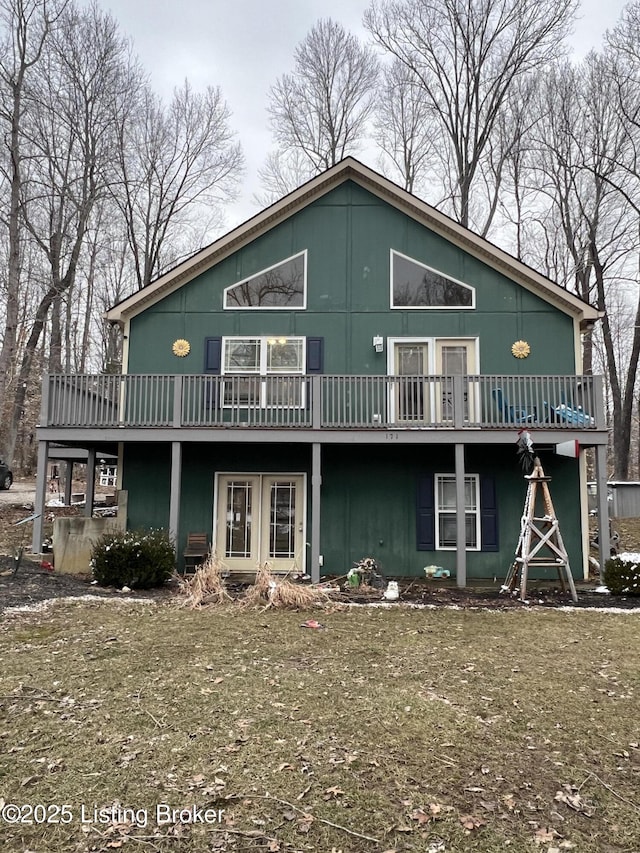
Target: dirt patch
(32, 584)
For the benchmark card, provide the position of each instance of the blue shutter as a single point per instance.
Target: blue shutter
(315, 355)
(425, 514)
(488, 514)
(212, 354)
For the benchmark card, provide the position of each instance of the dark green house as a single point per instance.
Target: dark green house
(344, 375)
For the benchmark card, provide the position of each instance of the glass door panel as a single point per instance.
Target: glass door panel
(411, 363)
(454, 358)
(282, 522)
(236, 532)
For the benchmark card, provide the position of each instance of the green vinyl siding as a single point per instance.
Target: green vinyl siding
(370, 508)
(146, 476)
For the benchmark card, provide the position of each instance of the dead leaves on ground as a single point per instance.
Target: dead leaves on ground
(570, 796)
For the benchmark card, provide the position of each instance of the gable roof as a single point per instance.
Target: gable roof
(350, 169)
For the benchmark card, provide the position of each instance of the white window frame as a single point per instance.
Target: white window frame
(471, 307)
(248, 278)
(263, 369)
(108, 474)
(475, 478)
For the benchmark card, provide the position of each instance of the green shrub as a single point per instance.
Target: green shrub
(139, 559)
(622, 576)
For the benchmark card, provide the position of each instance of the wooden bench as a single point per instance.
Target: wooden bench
(196, 551)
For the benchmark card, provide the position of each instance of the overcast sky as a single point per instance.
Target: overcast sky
(244, 45)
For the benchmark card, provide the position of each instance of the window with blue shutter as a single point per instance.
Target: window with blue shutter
(488, 513)
(212, 354)
(315, 355)
(426, 514)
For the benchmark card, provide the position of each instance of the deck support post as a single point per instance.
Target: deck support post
(90, 491)
(604, 538)
(316, 483)
(41, 491)
(68, 482)
(461, 523)
(174, 497)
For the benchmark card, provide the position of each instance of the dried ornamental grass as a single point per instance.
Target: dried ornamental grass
(206, 586)
(271, 590)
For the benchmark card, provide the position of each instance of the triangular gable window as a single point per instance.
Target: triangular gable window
(280, 286)
(414, 285)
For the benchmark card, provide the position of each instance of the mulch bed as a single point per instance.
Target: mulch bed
(31, 584)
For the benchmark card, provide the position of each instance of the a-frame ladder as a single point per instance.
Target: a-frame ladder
(540, 542)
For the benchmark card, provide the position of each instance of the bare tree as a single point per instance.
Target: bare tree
(580, 140)
(467, 55)
(321, 109)
(26, 27)
(172, 162)
(623, 67)
(283, 171)
(84, 68)
(403, 127)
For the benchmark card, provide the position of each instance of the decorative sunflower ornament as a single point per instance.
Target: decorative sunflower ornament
(181, 348)
(520, 349)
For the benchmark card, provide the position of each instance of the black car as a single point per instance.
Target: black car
(6, 477)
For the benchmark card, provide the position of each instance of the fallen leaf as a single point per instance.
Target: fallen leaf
(420, 816)
(509, 801)
(471, 822)
(545, 834)
(575, 802)
(333, 792)
(305, 822)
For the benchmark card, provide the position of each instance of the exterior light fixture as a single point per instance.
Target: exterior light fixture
(378, 343)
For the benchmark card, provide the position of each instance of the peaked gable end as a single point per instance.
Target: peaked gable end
(317, 190)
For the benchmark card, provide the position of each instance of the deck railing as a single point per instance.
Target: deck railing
(325, 402)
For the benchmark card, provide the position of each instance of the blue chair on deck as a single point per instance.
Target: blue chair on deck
(576, 416)
(512, 414)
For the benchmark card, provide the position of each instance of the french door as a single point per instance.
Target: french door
(454, 358)
(418, 397)
(412, 397)
(260, 518)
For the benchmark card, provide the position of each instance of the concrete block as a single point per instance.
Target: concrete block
(73, 541)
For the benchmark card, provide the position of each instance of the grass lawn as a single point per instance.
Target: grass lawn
(391, 730)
